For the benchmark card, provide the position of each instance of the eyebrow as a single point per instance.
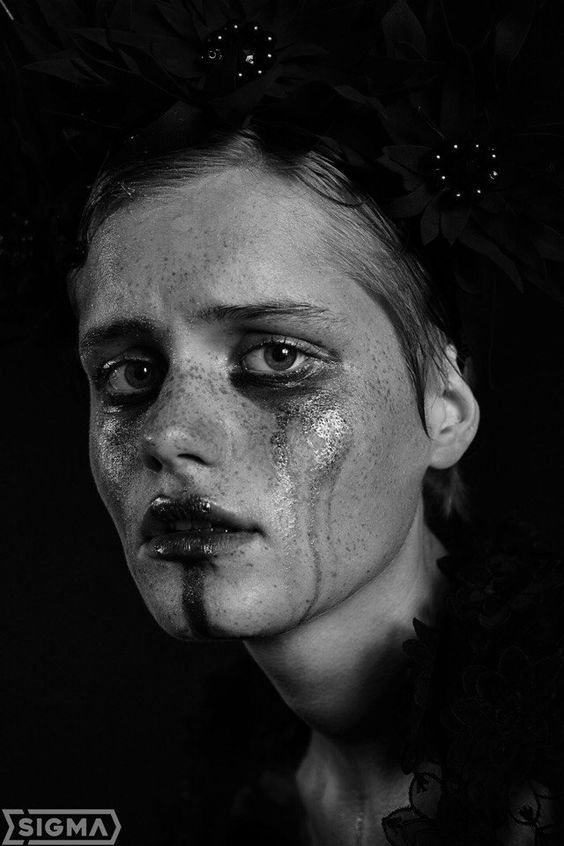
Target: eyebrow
(142, 328)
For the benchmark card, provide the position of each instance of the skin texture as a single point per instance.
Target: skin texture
(326, 461)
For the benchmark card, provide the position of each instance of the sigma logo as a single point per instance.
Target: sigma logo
(31, 827)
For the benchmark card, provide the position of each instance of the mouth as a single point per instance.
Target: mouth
(189, 528)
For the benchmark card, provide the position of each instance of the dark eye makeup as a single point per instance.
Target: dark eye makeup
(277, 360)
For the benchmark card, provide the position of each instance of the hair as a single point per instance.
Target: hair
(368, 248)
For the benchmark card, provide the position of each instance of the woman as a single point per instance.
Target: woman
(277, 411)
(256, 438)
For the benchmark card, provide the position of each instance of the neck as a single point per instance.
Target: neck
(341, 673)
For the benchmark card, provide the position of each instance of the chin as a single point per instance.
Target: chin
(196, 604)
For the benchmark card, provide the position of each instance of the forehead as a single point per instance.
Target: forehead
(228, 238)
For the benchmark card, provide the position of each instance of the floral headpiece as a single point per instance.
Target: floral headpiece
(449, 109)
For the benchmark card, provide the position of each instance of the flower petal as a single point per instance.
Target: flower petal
(411, 205)
(475, 240)
(430, 222)
(409, 155)
(454, 221)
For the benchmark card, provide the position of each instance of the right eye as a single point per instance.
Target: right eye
(130, 378)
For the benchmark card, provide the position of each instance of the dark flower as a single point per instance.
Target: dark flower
(492, 671)
(224, 57)
(476, 156)
(246, 46)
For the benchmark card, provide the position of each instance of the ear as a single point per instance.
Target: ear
(452, 415)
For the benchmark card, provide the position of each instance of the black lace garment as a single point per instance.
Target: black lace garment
(484, 699)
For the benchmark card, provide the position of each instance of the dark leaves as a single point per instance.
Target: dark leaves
(472, 102)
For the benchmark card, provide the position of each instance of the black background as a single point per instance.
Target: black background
(101, 708)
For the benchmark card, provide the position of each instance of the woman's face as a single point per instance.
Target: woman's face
(231, 363)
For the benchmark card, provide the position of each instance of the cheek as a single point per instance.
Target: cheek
(310, 446)
(113, 458)
(352, 464)
(372, 502)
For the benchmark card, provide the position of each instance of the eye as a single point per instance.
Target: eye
(130, 378)
(274, 357)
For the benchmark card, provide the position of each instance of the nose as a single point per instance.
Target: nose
(184, 432)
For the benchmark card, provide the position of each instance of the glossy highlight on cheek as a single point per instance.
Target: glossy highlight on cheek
(325, 429)
(309, 446)
(328, 437)
(113, 454)
(280, 458)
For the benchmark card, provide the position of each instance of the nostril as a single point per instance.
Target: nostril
(173, 449)
(191, 457)
(156, 459)
(153, 463)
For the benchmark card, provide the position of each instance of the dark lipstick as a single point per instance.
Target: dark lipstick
(191, 527)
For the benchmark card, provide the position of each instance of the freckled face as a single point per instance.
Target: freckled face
(261, 379)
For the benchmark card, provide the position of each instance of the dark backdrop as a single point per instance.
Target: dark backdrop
(102, 709)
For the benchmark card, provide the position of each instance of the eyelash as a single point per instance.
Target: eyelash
(105, 371)
(302, 347)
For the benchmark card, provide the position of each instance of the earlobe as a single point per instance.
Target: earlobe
(452, 417)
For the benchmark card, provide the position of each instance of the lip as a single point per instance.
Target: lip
(186, 546)
(186, 527)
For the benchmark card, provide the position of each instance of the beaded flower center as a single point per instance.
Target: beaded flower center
(246, 45)
(464, 171)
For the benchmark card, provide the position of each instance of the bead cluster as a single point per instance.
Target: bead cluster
(464, 171)
(251, 48)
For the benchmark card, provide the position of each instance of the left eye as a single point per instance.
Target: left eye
(130, 377)
(277, 357)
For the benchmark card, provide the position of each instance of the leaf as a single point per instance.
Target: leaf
(512, 232)
(64, 67)
(392, 75)
(34, 42)
(146, 68)
(458, 106)
(350, 93)
(92, 43)
(61, 14)
(121, 15)
(552, 285)
(179, 22)
(548, 241)
(440, 41)
(411, 181)
(407, 125)
(401, 26)
(426, 634)
(425, 794)
(512, 31)
(475, 240)
(295, 52)
(176, 58)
